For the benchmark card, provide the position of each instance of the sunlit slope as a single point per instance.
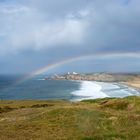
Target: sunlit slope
(100, 119)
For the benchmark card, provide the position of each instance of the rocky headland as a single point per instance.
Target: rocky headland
(130, 79)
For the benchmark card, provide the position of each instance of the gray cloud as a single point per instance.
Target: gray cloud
(24, 27)
(72, 27)
(44, 24)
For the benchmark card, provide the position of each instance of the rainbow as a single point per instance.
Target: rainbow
(74, 59)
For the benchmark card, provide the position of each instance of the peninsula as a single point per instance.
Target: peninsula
(130, 79)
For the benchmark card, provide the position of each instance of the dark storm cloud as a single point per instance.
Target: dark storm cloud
(100, 25)
(66, 28)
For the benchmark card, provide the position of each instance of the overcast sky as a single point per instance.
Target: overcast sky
(35, 33)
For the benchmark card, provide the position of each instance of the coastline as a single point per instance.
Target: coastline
(134, 84)
(131, 80)
(63, 119)
(89, 90)
(98, 90)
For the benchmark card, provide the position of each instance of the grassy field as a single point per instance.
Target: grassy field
(100, 119)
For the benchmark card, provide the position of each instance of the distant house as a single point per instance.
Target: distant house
(68, 73)
(74, 73)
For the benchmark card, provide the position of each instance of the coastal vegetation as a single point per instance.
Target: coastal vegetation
(99, 119)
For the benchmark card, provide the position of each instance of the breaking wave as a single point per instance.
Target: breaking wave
(89, 90)
(93, 90)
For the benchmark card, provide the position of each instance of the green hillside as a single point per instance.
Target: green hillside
(100, 119)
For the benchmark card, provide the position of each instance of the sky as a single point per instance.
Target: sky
(36, 33)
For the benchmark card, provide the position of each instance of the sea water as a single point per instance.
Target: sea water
(94, 90)
(38, 88)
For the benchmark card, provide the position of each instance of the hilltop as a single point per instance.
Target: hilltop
(100, 119)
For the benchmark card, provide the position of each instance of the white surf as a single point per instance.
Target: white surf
(94, 90)
(89, 90)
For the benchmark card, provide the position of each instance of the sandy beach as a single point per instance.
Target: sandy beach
(135, 82)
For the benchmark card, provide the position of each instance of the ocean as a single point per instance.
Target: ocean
(37, 88)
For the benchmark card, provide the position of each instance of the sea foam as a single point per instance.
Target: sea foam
(94, 90)
(89, 90)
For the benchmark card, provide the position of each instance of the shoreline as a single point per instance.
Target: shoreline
(90, 90)
(94, 90)
(134, 85)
